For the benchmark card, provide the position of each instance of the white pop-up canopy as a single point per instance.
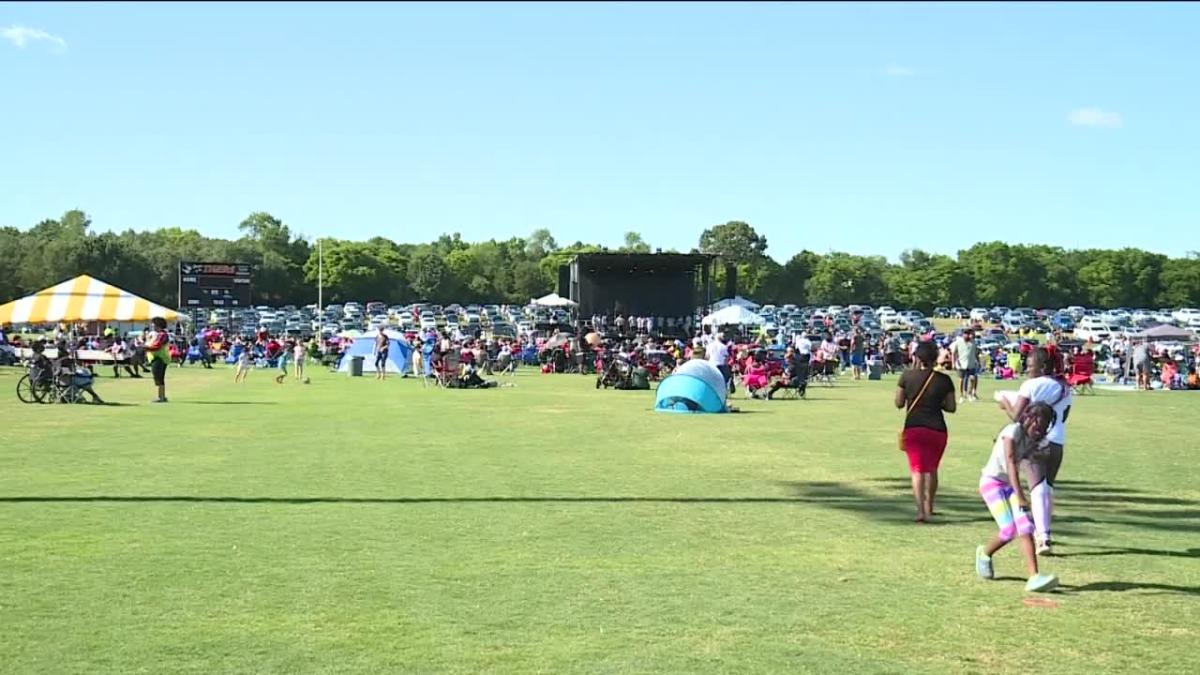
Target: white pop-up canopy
(554, 300)
(737, 301)
(734, 315)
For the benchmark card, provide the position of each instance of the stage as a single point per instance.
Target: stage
(660, 285)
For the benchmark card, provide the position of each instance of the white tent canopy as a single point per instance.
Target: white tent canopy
(737, 301)
(554, 300)
(733, 315)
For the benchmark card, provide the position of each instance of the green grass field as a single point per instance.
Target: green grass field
(359, 526)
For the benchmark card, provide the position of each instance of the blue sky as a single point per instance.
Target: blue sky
(864, 128)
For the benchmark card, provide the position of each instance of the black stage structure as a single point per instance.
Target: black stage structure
(639, 284)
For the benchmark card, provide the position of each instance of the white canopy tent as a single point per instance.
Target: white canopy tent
(1165, 334)
(737, 301)
(554, 300)
(733, 315)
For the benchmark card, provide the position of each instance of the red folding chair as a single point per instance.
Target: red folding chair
(1083, 367)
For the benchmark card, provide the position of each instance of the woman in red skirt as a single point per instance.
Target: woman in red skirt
(926, 394)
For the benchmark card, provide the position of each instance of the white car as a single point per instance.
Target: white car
(524, 327)
(979, 314)
(1092, 328)
(428, 322)
(1185, 315)
(1164, 316)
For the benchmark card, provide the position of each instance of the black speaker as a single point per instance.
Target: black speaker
(564, 281)
(730, 280)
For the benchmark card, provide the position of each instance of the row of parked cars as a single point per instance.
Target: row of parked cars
(1084, 323)
(1000, 323)
(336, 318)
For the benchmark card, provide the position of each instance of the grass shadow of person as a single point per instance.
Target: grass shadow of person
(1120, 550)
(1125, 586)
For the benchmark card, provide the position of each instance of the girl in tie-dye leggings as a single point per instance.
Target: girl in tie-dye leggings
(1000, 486)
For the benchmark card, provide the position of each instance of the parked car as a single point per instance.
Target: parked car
(1184, 316)
(1062, 322)
(1091, 328)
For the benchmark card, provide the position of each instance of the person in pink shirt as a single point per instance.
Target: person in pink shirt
(755, 377)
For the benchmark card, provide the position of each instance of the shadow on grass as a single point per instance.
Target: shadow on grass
(1123, 586)
(185, 499)
(228, 402)
(893, 502)
(893, 507)
(1117, 550)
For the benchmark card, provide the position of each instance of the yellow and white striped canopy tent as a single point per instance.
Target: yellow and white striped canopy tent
(82, 299)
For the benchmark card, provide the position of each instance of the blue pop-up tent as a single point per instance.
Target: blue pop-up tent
(695, 386)
(399, 359)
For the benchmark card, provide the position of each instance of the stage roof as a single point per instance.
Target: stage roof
(644, 259)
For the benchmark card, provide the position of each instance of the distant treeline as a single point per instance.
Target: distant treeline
(517, 269)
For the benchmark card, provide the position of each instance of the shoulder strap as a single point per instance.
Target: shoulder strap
(920, 393)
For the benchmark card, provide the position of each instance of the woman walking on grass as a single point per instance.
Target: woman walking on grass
(926, 394)
(1000, 486)
(381, 355)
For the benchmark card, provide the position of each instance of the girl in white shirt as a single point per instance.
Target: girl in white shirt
(1001, 489)
(1043, 386)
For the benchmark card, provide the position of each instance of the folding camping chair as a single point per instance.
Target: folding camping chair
(447, 373)
(1083, 368)
(797, 389)
(827, 371)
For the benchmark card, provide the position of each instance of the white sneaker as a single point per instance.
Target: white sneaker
(1043, 545)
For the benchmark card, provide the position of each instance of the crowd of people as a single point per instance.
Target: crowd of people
(626, 326)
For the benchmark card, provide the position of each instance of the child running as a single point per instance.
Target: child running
(243, 363)
(285, 355)
(1000, 486)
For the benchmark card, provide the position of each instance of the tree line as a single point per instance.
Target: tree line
(514, 270)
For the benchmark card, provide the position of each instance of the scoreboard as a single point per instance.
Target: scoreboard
(207, 284)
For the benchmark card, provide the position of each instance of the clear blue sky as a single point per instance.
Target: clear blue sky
(864, 128)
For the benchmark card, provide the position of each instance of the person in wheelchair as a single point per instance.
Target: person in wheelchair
(41, 369)
(795, 374)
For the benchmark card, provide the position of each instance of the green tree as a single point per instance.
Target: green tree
(734, 242)
(540, 244)
(1180, 282)
(635, 244)
(279, 257)
(426, 274)
(842, 279)
(372, 270)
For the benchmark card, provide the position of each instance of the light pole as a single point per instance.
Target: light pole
(320, 294)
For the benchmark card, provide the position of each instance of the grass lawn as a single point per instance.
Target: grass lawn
(359, 526)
